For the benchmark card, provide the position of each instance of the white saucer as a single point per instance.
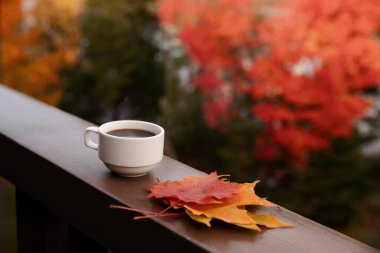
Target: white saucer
(129, 171)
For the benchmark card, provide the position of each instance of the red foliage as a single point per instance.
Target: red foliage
(304, 69)
(215, 44)
(321, 55)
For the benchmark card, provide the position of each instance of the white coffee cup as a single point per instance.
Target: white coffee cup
(127, 156)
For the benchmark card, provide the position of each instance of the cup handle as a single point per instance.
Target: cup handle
(87, 138)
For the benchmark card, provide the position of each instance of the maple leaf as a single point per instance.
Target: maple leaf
(208, 197)
(269, 221)
(226, 209)
(247, 196)
(229, 213)
(199, 218)
(196, 189)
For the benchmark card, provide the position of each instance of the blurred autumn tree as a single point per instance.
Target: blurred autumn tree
(281, 89)
(118, 75)
(292, 69)
(38, 38)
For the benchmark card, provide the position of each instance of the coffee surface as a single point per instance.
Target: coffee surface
(131, 133)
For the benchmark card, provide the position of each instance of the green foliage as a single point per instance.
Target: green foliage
(117, 64)
(332, 189)
(8, 240)
(185, 129)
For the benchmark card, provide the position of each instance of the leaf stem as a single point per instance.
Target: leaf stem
(131, 209)
(166, 209)
(148, 214)
(171, 215)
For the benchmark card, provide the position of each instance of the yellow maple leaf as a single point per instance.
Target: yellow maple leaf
(246, 196)
(199, 218)
(269, 221)
(229, 214)
(251, 226)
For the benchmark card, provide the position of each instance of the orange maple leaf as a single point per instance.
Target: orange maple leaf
(204, 198)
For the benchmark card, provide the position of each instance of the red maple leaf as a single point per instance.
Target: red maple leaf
(197, 189)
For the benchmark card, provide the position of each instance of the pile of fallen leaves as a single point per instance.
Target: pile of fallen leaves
(204, 198)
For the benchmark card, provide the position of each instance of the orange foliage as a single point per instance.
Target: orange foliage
(305, 68)
(33, 51)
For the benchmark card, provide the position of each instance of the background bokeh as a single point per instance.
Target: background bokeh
(283, 91)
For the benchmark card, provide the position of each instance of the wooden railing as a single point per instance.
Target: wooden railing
(64, 192)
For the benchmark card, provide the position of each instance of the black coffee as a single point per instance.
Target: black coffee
(131, 133)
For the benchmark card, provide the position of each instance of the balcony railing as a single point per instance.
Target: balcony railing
(63, 193)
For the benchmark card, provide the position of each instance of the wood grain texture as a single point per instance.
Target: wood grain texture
(44, 155)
